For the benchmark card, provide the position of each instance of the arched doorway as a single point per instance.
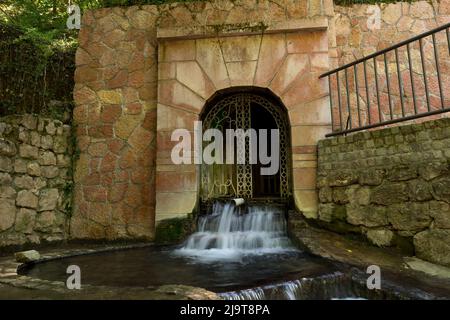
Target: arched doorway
(247, 108)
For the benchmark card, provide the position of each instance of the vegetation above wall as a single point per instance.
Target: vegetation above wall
(36, 58)
(49, 16)
(37, 52)
(36, 75)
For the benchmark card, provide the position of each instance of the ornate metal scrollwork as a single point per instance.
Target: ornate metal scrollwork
(234, 112)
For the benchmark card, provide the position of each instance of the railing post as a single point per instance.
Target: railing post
(400, 84)
(339, 101)
(424, 70)
(448, 40)
(411, 77)
(367, 92)
(377, 88)
(331, 102)
(388, 85)
(348, 99)
(436, 59)
(357, 94)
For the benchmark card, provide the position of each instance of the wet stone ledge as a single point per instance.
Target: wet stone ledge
(10, 276)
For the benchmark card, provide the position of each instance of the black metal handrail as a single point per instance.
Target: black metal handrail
(349, 121)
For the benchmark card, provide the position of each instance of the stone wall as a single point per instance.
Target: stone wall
(399, 21)
(135, 63)
(392, 185)
(35, 180)
(116, 96)
(357, 36)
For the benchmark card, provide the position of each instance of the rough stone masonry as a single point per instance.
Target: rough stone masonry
(35, 179)
(119, 120)
(134, 74)
(392, 185)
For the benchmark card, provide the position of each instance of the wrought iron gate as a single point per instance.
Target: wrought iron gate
(234, 112)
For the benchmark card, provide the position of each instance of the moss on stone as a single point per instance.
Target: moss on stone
(341, 227)
(175, 230)
(405, 244)
(349, 3)
(249, 27)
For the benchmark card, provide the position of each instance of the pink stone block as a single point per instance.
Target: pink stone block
(293, 67)
(304, 178)
(304, 89)
(192, 76)
(181, 50)
(272, 53)
(175, 94)
(306, 42)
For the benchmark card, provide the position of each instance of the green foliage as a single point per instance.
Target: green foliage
(37, 57)
(47, 17)
(36, 74)
(68, 192)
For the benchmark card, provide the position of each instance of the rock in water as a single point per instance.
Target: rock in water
(27, 256)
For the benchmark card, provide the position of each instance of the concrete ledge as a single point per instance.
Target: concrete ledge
(417, 274)
(230, 30)
(428, 267)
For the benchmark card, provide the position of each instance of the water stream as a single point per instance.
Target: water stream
(231, 232)
(239, 252)
(335, 285)
(244, 233)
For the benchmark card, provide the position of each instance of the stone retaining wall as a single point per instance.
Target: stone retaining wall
(35, 180)
(392, 185)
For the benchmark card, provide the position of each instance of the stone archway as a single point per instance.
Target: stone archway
(192, 68)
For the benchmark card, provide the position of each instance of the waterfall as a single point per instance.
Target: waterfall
(231, 232)
(333, 286)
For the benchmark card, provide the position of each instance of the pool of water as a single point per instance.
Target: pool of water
(239, 252)
(234, 248)
(159, 266)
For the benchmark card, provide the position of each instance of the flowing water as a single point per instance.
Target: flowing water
(231, 233)
(239, 252)
(335, 285)
(234, 248)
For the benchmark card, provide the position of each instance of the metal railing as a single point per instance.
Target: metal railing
(399, 83)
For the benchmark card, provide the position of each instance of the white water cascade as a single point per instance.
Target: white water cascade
(334, 286)
(230, 233)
